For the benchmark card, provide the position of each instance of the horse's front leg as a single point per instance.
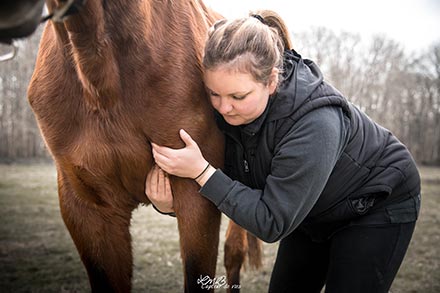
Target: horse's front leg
(199, 225)
(102, 237)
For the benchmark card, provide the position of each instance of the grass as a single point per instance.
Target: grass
(38, 255)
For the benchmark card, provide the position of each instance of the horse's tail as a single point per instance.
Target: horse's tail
(255, 251)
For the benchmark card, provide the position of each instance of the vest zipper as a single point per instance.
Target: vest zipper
(246, 165)
(246, 168)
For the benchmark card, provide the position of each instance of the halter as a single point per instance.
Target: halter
(59, 14)
(64, 10)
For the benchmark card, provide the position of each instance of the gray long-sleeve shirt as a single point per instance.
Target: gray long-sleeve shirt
(312, 158)
(299, 170)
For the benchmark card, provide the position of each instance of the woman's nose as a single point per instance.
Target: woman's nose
(225, 106)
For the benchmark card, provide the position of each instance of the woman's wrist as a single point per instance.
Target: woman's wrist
(210, 170)
(203, 171)
(172, 214)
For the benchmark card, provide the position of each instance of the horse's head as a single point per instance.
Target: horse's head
(19, 18)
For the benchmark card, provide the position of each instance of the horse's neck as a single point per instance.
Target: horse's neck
(97, 35)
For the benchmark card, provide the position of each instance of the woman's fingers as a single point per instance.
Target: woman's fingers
(151, 182)
(163, 150)
(158, 185)
(164, 187)
(161, 160)
(168, 191)
(161, 184)
(184, 162)
(158, 189)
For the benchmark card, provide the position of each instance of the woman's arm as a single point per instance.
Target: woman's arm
(187, 162)
(303, 161)
(300, 168)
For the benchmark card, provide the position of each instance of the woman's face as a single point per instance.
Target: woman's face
(236, 95)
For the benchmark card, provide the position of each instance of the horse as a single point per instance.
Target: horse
(109, 80)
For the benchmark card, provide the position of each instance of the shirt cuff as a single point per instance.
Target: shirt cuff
(217, 187)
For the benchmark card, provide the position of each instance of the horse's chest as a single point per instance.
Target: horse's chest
(104, 154)
(108, 142)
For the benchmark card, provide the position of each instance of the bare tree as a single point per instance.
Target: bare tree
(398, 90)
(19, 134)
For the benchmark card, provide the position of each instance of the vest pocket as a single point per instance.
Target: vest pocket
(347, 209)
(345, 178)
(406, 211)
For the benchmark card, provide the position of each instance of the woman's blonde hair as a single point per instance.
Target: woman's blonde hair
(252, 44)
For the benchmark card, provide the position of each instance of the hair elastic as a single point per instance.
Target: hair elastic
(259, 17)
(203, 172)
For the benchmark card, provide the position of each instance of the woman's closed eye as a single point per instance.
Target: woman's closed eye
(235, 97)
(240, 96)
(211, 93)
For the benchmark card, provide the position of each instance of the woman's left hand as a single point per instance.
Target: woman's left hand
(158, 190)
(185, 162)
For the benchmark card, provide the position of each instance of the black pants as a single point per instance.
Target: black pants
(354, 260)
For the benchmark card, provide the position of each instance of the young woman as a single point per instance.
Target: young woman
(302, 165)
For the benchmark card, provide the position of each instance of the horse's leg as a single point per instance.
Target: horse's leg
(236, 247)
(102, 238)
(199, 225)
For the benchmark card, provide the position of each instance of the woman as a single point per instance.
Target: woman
(302, 165)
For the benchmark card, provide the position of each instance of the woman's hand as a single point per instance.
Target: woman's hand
(158, 190)
(186, 162)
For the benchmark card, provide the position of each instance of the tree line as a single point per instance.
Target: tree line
(399, 90)
(19, 133)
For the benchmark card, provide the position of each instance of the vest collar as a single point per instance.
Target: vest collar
(300, 79)
(253, 127)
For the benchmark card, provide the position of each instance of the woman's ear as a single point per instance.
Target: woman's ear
(273, 81)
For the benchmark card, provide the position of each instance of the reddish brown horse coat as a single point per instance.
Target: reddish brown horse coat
(108, 81)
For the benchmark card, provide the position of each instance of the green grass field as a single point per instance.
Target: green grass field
(37, 254)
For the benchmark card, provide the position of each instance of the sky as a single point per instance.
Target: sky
(413, 23)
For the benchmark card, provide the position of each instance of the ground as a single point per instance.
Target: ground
(38, 255)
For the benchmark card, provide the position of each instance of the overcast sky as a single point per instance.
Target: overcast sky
(413, 23)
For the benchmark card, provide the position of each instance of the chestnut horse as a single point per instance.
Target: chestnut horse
(108, 81)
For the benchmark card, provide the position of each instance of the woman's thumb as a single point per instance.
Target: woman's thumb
(186, 137)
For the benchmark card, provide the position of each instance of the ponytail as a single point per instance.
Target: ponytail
(252, 44)
(274, 20)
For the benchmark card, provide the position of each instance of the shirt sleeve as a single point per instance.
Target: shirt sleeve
(300, 168)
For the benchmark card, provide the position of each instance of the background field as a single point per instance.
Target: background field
(37, 254)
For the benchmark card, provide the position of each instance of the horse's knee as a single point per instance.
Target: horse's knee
(107, 256)
(103, 242)
(199, 233)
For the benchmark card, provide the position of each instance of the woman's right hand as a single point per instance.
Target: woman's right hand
(158, 190)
